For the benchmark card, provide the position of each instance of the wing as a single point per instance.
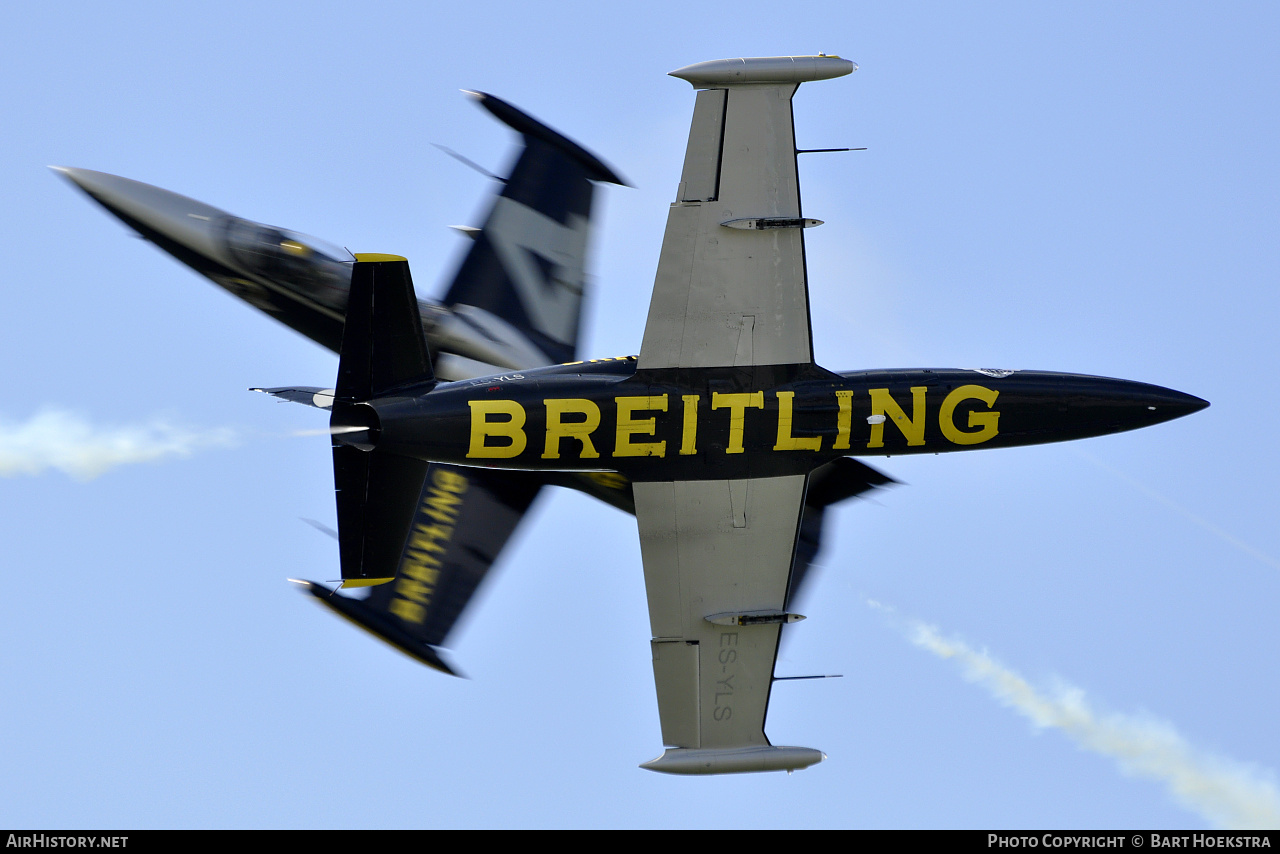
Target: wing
(527, 264)
(716, 559)
(730, 290)
(730, 287)
(837, 481)
(461, 522)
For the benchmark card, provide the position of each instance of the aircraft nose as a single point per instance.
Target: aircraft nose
(1189, 403)
(1165, 404)
(151, 211)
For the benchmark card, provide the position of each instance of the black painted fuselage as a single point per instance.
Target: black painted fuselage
(725, 423)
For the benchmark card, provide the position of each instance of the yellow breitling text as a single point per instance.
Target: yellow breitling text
(882, 403)
(484, 427)
(498, 426)
(558, 428)
(428, 540)
(787, 442)
(629, 425)
(986, 421)
(737, 405)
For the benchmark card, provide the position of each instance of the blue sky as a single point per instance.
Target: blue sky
(1072, 187)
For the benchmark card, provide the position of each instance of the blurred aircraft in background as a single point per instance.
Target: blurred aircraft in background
(515, 303)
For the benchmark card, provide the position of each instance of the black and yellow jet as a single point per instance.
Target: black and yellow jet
(722, 425)
(514, 303)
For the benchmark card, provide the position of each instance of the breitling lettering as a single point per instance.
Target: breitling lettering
(787, 442)
(882, 403)
(571, 425)
(629, 425)
(483, 428)
(558, 428)
(689, 429)
(428, 541)
(986, 421)
(737, 405)
(844, 420)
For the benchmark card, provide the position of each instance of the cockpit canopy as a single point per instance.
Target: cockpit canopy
(298, 262)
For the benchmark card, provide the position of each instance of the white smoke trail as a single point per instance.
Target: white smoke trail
(56, 439)
(1227, 793)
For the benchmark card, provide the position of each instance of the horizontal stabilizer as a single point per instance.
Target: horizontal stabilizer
(738, 760)
(321, 398)
(377, 494)
(383, 347)
(380, 626)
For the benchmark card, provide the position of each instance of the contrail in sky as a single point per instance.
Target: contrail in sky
(1227, 793)
(57, 439)
(1183, 512)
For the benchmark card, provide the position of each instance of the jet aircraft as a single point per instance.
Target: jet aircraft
(720, 423)
(514, 303)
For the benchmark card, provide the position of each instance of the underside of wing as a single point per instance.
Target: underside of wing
(717, 558)
(730, 287)
(462, 520)
(526, 266)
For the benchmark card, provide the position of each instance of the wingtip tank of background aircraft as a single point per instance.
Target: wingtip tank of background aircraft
(378, 624)
(720, 424)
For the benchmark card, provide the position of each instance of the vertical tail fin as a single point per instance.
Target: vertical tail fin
(383, 350)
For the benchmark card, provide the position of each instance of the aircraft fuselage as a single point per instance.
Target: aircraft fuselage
(725, 423)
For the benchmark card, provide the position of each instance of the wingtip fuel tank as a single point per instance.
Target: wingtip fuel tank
(763, 70)
(738, 760)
